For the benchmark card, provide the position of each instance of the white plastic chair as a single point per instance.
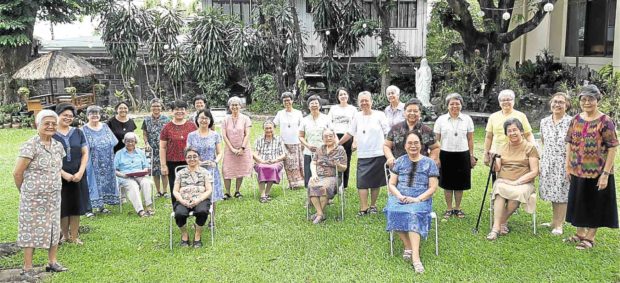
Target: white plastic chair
(533, 195)
(191, 214)
(339, 191)
(433, 216)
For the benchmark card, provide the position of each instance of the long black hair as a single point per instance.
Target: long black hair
(414, 164)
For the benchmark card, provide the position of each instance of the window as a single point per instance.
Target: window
(404, 16)
(590, 28)
(241, 8)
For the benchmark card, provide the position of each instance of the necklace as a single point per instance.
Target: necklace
(288, 118)
(455, 128)
(365, 122)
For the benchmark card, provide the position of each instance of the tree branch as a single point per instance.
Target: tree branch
(526, 27)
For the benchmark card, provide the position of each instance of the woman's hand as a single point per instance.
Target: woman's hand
(314, 178)
(602, 181)
(473, 161)
(390, 162)
(67, 177)
(77, 177)
(487, 158)
(164, 170)
(312, 148)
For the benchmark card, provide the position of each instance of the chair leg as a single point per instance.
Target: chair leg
(341, 205)
(490, 214)
(212, 231)
(534, 221)
(170, 226)
(436, 237)
(391, 243)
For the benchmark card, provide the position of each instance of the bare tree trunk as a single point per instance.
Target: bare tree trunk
(277, 58)
(386, 42)
(300, 68)
(11, 60)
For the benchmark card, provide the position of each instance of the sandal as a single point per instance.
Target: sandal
(143, 214)
(448, 214)
(311, 218)
(363, 212)
(268, 197)
(76, 241)
(573, 239)
(184, 243)
(263, 199)
(407, 255)
(503, 229)
(238, 195)
(318, 219)
(55, 267)
(373, 210)
(105, 211)
(151, 212)
(418, 267)
(226, 196)
(459, 213)
(492, 235)
(585, 244)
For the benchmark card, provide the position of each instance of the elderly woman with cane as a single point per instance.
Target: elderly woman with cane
(37, 176)
(413, 181)
(328, 159)
(517, 168)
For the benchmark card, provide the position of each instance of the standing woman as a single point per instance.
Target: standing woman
(172, 142)
(341, 116)
(290, 120)
(237, 154)
(455, 132)
(37, 176)
(100, 170)
(369, 128)
(74, 193)
(311, 133)
(590, 150)
(208, 143)
(151, 130)
(121, 124)
(553, 183)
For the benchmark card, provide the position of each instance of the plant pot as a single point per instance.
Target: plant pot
(16, 126)
(7, 125)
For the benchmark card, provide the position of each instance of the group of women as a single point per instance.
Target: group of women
(576, 164)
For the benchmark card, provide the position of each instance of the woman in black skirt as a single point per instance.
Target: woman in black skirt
(74, 194)
(455, 131)
(591, 149)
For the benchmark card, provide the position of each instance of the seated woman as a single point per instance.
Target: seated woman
(132, 171)
(516, 167)
(192, 190)
(269, 152)
(413, 181)
(326, 160)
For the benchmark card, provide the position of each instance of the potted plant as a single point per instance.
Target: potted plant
(24, 93)
(6, 121)
(71, 91)
(17, 123)
(98, 89)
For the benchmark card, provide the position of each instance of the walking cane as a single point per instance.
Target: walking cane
(486, 189)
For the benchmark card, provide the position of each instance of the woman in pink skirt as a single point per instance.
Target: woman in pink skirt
(268, 154)
(237, 155)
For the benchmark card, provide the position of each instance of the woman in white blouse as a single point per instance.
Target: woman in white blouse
(289, 120)
(455, 131)
(311, 133)
(369, 128)
(341, 115)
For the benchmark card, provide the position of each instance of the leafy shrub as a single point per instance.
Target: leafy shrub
(545, 71)
(265, 95)
(215, 92)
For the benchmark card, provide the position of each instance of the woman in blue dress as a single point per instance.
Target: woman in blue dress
(151, 129)
(207, 142)
(413, 181)
(100, 171)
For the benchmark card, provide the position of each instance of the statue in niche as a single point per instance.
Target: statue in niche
(423, 79)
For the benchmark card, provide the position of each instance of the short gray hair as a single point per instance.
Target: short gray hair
(452, 96)
(364, 93)
(269, 122)
(93, 109)
(506, 92)
(394, 89)
(590, 90)
(130, 136)
(233, 100)
(44, 114)
(156, 100)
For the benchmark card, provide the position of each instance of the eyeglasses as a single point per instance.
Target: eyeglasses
(130, 141)
(559, 102)
(50, 124)
(585, 99)
(204, 118)
(506, 100)
(192, 157)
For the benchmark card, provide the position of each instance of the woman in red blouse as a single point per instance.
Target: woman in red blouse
(172, 142)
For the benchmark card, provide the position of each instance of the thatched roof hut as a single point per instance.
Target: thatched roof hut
(56, 65)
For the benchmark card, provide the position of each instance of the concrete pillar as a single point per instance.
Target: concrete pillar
(616, 56)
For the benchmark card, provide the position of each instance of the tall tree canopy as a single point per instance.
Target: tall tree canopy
(17, 18)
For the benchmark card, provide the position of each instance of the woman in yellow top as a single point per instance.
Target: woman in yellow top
(516, 168)
(495, 137)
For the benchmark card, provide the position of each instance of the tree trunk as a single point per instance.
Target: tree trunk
(384, 59)
(11, 60)
(300, 68)
(277, 58)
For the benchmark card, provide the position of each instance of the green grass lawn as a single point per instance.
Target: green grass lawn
(274, 243)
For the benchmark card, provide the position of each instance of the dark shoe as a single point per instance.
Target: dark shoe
(459, 213)
(269, 197)
(89, 214)
(263, 200)
(55, 267)
(104, 210)
(238, 195)
(448, 214)
(197, 244)
(363, 212)
(373, 210)
(318, 219)
(143, 214)
(226, 196)
(184, 243)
